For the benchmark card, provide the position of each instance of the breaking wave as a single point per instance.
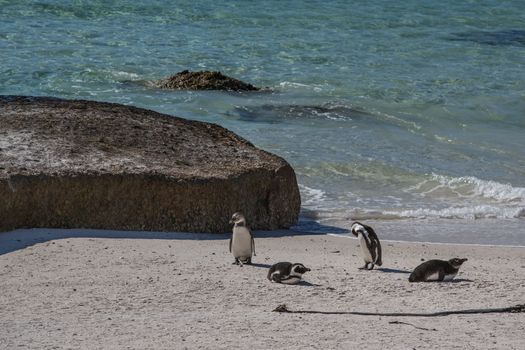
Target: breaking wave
(470, 187)
(433, 197)
(469, 212)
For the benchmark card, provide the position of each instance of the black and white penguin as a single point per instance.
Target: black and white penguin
(436, 270)
(370, 246)
(286, 272)
(242, 245)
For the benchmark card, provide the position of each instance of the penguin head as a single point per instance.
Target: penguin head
(238, 218)
(357, 228)
(457, 262)
(299, 269)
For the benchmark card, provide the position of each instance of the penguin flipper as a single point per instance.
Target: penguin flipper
(276, 277)
(441, 275)
(375, 244)
(231, 244)
(253, 246)
(270, 273)
(379, 260)
(252, 240)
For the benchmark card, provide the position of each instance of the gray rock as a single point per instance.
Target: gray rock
(103, 165)
(203, 80)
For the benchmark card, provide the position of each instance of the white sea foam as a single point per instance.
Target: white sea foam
(124, 75)
(396, 120)
(300, 86)
(435, 196)
(466, 197)
(311, 195)
(470, 187)
(464, 212)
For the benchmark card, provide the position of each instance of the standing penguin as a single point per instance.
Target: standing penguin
(242, 245)
(287, 273)
(370, 246)
(436, 270)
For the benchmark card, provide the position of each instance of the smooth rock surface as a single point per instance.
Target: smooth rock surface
(101, 165)
(203, 80)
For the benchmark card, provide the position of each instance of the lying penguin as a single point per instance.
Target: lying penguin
(242, 245)
(436, 270)
(286, 272)
(370, 246)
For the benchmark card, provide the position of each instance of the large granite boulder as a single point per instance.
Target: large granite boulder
(203, 80)
(103, 165)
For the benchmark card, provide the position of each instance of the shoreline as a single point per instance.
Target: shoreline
(434, 243)
(299, 230)
(484, 232)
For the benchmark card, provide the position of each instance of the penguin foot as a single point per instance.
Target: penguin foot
(248, 262)
(236, 262)
(368, 266)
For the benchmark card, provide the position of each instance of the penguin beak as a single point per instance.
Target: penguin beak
(307, 269)
(463, 260)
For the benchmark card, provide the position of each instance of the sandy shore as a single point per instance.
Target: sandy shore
(82, 289)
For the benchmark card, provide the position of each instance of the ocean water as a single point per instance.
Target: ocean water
(387, 111)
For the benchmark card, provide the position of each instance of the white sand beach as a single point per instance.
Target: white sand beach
(87, 289)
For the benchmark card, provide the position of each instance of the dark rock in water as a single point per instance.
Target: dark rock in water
(204, 80)
(103, 165)
(282, 113)
(513, 37)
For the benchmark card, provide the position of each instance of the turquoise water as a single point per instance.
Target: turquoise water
(386, 110)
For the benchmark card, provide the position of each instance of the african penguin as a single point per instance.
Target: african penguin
(286, 272)
(436, 270)
(370, 246)
(242, 245)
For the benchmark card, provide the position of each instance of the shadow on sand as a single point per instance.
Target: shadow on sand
(388, 270)
(459, 280)
(22, 238)
(264, 266)
(307, 284)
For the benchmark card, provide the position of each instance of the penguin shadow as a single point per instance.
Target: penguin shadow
(389, 270)
(264, 266)
(303, 283)
(459, 280)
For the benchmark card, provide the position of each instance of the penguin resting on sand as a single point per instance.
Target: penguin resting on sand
(242, 245)
(370, 246)
(286, 272)
(436, 270)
